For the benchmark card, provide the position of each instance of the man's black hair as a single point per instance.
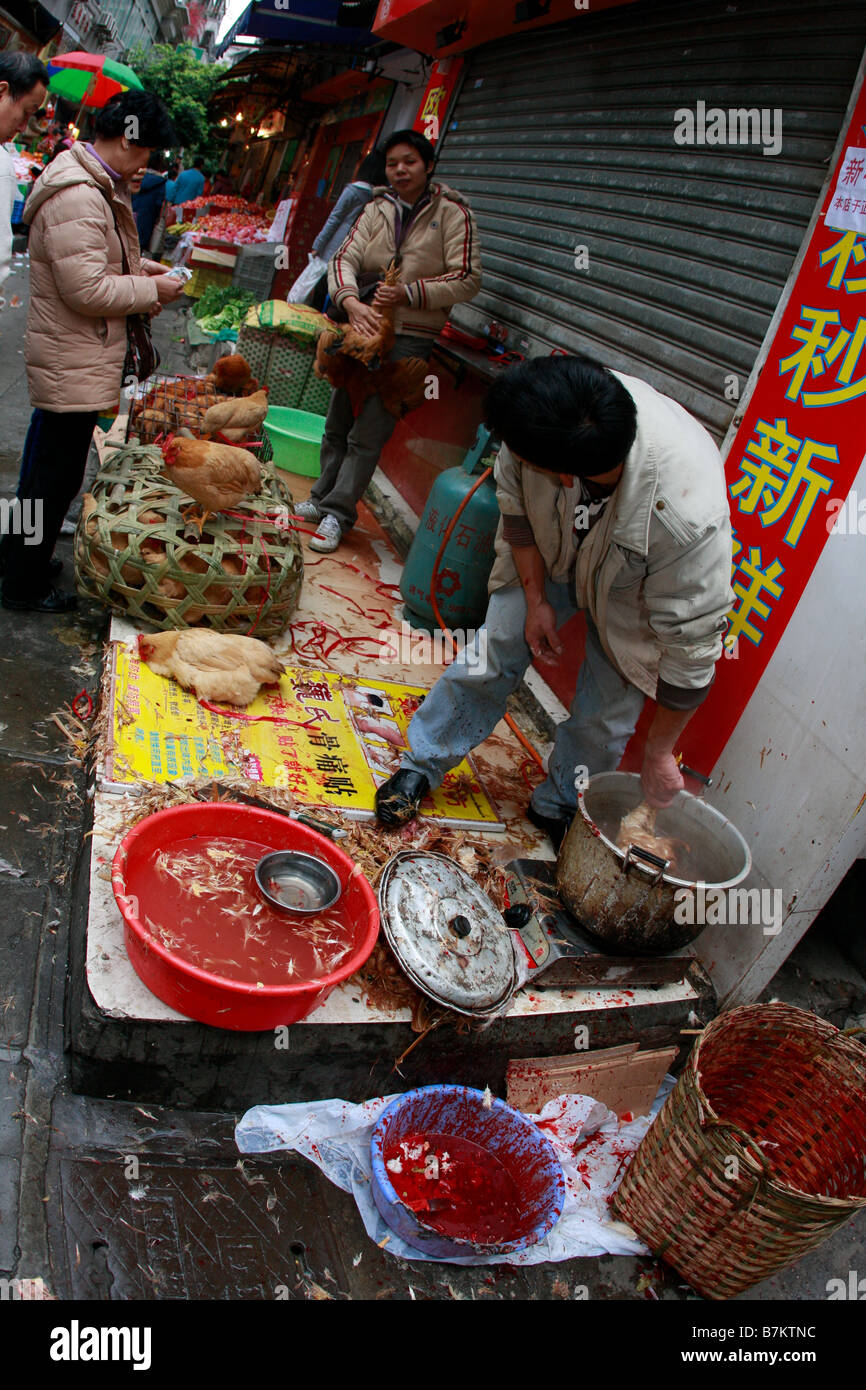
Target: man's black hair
(22, 71)
(563, 414)
(416, 140)
(154, 129)
(198, 162)
(372, 168)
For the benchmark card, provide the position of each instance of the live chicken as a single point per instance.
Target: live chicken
(217, 476)
(359, 364)
(215, 665)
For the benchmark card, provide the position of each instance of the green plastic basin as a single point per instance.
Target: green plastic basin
(296, 439)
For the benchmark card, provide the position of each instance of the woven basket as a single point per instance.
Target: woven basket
(758, 1154)
(244, 575)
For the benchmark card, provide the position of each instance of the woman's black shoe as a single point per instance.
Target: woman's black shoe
(398, 799)
(55, 601)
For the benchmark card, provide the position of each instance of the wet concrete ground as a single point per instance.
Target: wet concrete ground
(115, 1201)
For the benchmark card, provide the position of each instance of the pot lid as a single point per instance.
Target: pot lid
(447, 935)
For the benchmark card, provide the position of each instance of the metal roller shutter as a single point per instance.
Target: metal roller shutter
(565, 138)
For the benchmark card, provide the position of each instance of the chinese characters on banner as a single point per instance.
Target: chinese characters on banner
(797, 452)
(331, 740)
(434, 103)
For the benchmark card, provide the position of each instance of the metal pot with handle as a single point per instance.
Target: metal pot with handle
(627, 897)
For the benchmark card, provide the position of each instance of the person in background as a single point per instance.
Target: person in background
(188, 185)
(428, 229)
(86, 276)
(222, 184)
(148, 199)
(23, 87)
(347, 209)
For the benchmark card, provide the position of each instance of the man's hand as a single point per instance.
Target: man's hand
(168, 287)
(363, 319)
(389, 294)
(540, 633)
(660, 777)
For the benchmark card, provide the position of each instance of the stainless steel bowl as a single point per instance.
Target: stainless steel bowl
(297, 883)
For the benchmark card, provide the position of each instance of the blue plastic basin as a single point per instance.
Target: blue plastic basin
(506, 1134)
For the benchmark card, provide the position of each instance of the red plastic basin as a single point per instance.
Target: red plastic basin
(211, 998)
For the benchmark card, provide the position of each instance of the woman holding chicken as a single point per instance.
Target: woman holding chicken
(427, 229)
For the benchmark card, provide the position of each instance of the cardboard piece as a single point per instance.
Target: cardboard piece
(622, 1078)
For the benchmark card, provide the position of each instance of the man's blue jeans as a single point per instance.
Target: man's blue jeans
(470, 697)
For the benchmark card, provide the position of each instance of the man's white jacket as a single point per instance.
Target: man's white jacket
(654, 571)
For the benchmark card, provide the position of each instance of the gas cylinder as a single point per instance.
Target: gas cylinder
(461, 587)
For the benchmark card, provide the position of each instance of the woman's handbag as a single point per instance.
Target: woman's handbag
(142, 357)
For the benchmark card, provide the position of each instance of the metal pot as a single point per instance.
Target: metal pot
(626, 898)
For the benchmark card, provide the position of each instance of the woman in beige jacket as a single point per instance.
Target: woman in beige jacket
(430, 231)
(86, 276)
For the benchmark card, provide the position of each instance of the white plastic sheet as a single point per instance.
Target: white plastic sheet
(592, 1146)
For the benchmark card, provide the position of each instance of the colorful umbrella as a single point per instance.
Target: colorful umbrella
(89, 78)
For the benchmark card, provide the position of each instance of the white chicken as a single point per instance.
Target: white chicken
(215, 665)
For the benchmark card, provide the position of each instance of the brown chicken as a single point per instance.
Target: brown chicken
(233, 376)
(217, 476)
(214, 665)
(237, 418)
(360, 364)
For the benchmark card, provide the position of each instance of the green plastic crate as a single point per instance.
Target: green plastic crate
(316, 395)
(296, 439)
(288, 368)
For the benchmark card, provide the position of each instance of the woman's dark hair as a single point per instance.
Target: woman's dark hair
(563, 414)
(22, 71)
(372, 168)
(416, 140)
(152, 129)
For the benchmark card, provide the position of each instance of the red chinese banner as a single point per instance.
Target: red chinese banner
(796, 454)
(434, 103)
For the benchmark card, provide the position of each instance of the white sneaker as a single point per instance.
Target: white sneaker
(308, 511)
(328, 536)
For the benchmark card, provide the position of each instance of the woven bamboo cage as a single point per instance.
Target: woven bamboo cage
(759, 1152)
(131, 552)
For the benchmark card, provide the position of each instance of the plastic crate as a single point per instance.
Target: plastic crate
(316, 395)
(288, 369)
(255, 269)
(203, 277)
(256, 345)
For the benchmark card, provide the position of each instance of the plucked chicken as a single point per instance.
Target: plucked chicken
(638, 827)
(214, 665)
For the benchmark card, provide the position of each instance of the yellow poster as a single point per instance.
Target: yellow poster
(330, 739)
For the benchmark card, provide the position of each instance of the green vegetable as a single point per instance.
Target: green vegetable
(224, 302)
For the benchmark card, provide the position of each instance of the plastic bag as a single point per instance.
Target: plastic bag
(307, 280)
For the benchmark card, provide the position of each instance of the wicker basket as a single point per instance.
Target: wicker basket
(758, 1154)
(244, 575)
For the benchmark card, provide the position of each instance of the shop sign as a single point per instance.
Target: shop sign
(798, 448)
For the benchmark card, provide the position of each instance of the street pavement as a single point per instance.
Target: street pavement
(114, 1201)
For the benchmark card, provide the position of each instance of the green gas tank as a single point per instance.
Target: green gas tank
(461, 588)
